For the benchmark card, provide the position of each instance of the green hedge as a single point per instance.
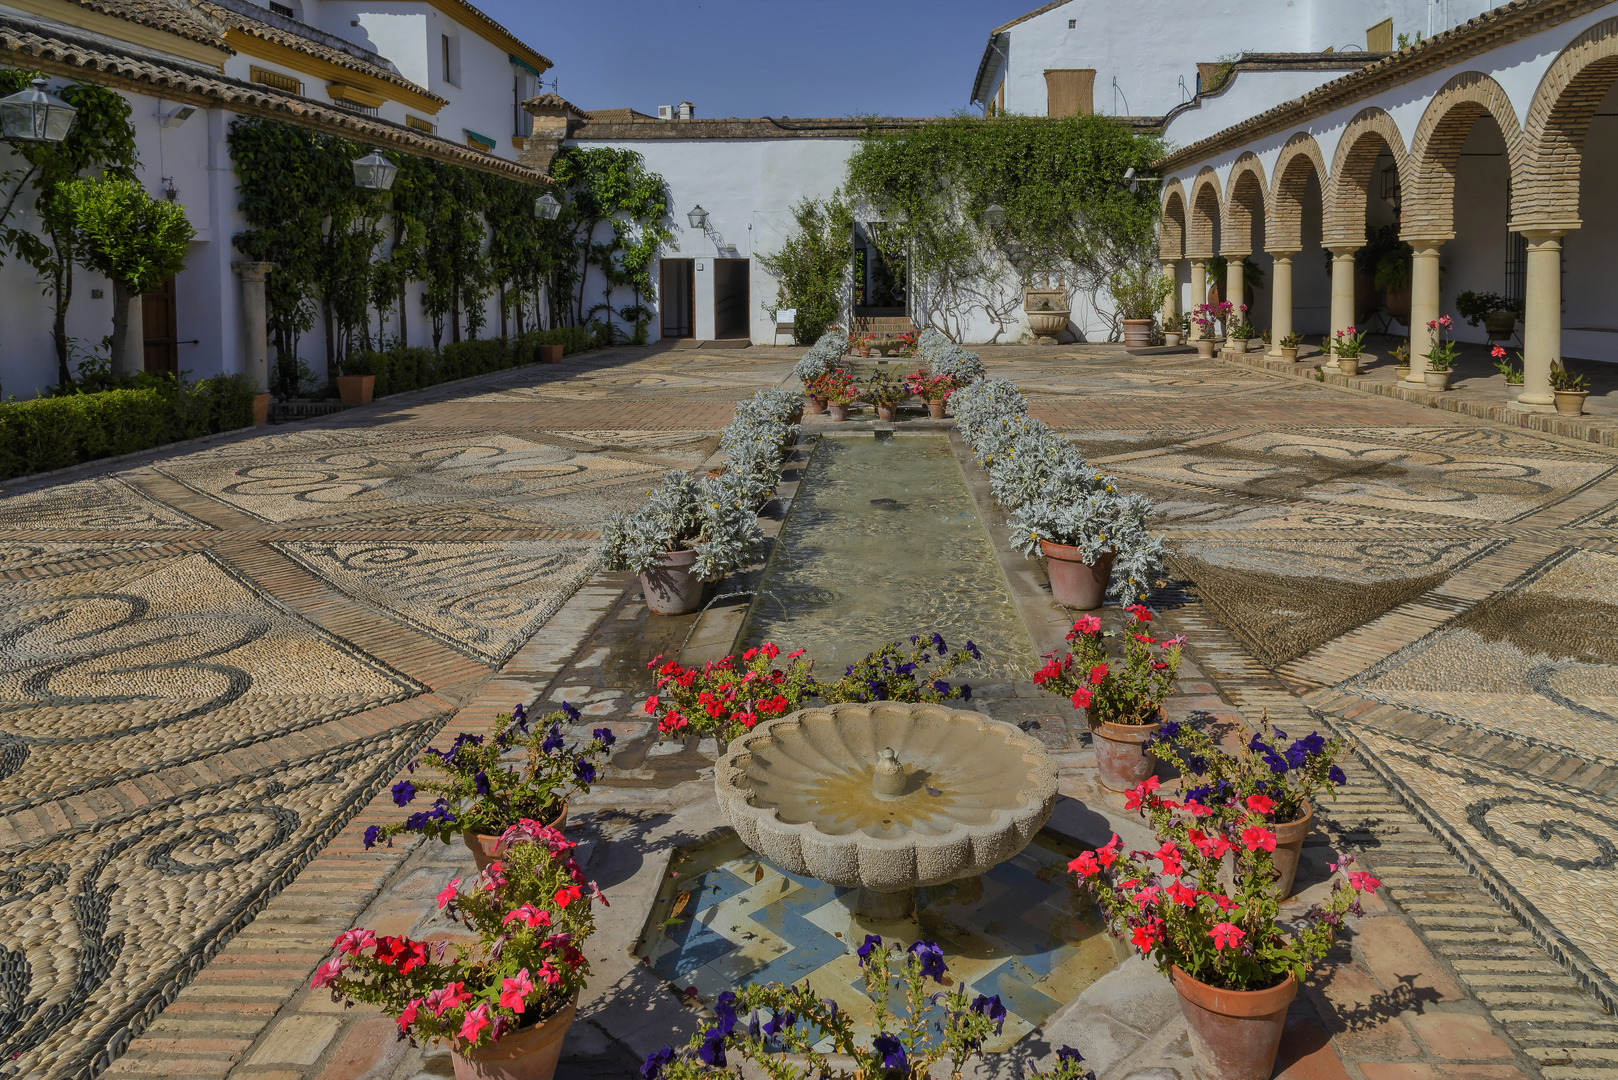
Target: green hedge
(409, 368)
(55, 432)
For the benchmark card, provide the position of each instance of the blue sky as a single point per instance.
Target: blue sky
(763, 57)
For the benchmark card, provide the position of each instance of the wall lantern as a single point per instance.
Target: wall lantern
(698, 217)
(547, 208)
(994, 215)
(375, 172)
(34, 115)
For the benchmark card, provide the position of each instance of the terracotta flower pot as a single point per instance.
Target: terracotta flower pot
(529, 1053)
(1570, 402)
(935, 409)
(1205, 348)
(886, 412)
(839, 413)
(356, 389)
(1436, 380)
(1122, 760)
(1398, 302)
(795, 416)
(550, 354)
(1171, 339)
(813, 406)
(821, 404)
(1235, 1034)
(1289, 849)
(1137, 333)
(672, 589)
(1074, 582)
(482, 845)
(261, 409)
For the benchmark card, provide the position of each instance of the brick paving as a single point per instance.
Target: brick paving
(1433, 549)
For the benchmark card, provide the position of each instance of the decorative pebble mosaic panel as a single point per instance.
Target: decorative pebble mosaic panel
(104, 504)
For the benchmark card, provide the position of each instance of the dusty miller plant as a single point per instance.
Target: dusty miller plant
(823, 355)
(983, 404)
(710, 516)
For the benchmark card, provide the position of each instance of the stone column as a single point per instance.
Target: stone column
(1342, 292)
(1171, 302)
(1199, 291)
(1423, 307)
(255, 330)
(1233, 286)
(1542, 317)
(1281, 300)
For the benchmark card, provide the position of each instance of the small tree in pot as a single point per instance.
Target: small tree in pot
(689, 531)
(1139, 291)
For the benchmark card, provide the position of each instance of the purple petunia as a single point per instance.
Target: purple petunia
(931, 957)
(605, 736)
(779, 1023)
(584, 772)
(992, 1008)
(892, 1052)
(553, 739)
(371, 835)
(872, 943)
(655, 1061)
(712, 1050)
(403, 792)
(480, 781)
(571, 712)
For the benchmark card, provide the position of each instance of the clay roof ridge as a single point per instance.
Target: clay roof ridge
(171, 16)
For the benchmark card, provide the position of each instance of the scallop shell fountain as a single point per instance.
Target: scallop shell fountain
(886, 797)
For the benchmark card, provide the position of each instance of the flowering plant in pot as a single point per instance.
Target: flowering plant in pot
(933, 389)
(821, 358)
(506, 999)
(1569, 390)
(480, 794)
(1442, 355)
(1240, 330)
(1272, 774)
(1122, 695)
(840, 392)
(727, 697)
(687, 532)
(784, 1024)
(1502, 363)
(1204, 317)
(1289, 346)
(893, 673)
(885, 391)
(1234, 967)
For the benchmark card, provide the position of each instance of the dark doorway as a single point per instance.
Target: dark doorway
(730, 302)
(677, 296)
(880, 282)
(160, 329)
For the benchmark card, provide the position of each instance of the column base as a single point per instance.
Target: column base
(1527, 403)
(1331, 366)
(1413, 384)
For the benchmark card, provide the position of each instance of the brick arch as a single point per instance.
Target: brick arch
(1352, 169)
(1435, 151)
(1171, 234)
(1246, 193)
(1283, 217)
(1205, 214)
(1558, 121)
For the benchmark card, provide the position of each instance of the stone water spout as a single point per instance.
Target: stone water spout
(886, 797)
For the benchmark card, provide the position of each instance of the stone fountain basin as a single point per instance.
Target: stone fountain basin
(799, 791)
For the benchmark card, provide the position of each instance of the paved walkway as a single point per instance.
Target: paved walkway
(217, 658)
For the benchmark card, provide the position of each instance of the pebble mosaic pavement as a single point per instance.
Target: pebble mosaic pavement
(217, 657)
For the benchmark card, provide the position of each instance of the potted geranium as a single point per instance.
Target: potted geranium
(1348, 346)
(1272, 774)
(689, 531)
(1498, 314)
(1569, 390)
(1235, 969)
(885, 391)
(1241, 330)
(727, 697)
(503, 1003)
(1442, 355)
(1122, 696)
(933, 389)
(480, 795)
(840, 391)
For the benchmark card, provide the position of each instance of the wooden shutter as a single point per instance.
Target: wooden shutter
(1070, 91)
(1379, 38)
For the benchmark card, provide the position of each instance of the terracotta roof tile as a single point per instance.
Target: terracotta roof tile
(173, 16)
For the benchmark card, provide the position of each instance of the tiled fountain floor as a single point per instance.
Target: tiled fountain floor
(1410, 570)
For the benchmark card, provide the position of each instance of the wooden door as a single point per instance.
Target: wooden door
(161, 329)
(677, 297)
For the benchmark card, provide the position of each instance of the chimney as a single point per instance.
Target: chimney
(688, 111)
(554, 120)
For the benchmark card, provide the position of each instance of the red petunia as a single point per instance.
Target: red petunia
(566, 896)
(1261, 804)
(1098, 673)
(1081, 698)
(1085, 865)
(1255, 838)
(1141, 793)
(1226, 935)
(1140, 612)
(1170, 856)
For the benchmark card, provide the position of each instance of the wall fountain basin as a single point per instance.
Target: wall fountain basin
(886, 797)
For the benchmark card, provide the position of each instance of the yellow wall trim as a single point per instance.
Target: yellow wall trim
(343, 92)
(71, 14)
(381, 89)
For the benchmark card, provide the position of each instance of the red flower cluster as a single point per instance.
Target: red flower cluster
(723, 698)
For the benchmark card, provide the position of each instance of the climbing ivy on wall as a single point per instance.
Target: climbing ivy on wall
(1060, 181)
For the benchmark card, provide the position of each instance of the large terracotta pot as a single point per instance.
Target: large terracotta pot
(1365, 296)
(1289, 839)
(550, 354)
(813, 406)
(1205, 348)
(356, 389)
(935, 409)
(483, 846)
(1137, 333)
(1570, 402)
(1398, 302)
(529, 1053)
(1235, 1034)
(672, 589)
(1122, 760)
(1074, 582)
(839, 413)
(261, 409)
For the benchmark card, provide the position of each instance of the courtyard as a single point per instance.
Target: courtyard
(221, 656)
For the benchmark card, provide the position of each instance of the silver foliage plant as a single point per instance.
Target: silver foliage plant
(711, 516)
(944, 357)
(1050, 492)
(823, 355)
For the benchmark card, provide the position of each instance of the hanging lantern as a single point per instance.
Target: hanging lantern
(698, 217)
(35, 115)
(546, 208)
(374, 172)
(994, 215)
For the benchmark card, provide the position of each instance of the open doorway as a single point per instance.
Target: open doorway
(730, 299)
(677, 297)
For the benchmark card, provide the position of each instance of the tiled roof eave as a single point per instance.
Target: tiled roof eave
(65, 58)
(329, 55)
(1477, 35)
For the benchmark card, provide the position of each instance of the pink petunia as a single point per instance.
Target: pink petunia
(513, 992)
(1087, 624)
(352, 941)
(549, 974)
(407, 1015)
(474, 1023)
(1364, 882)
(449, 892)
(1170, 856)
(327, 973)
(1226, 935)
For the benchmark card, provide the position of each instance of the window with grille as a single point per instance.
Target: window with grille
(1516, 267)
(277, 80)
(356, 107)
(283, 10)
(418, 124)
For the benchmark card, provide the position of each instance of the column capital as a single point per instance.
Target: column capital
(1246, 253)
(1283, 253)
(253, 271)
(1344, 247)
(1544, 230)
(1431, 240)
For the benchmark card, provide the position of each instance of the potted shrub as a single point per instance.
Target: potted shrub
(1569, 390)
(1392, 275)
(933, 389)
(1240, 330)
(503, 1003)
(1272, 775)
(358, 381)
(821, 359)
(1122, 697)
(840, 392)
(777, 1028)
(1205, 316)
(1139, 292)
(1442, 356)
(1289, 347)
(730, 696)
(1347, 348)
(1498, 314)
(1234, 968)
(1088, 533)
(1175, 328)
(689, 531)
(885, 391)
(480, 795)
